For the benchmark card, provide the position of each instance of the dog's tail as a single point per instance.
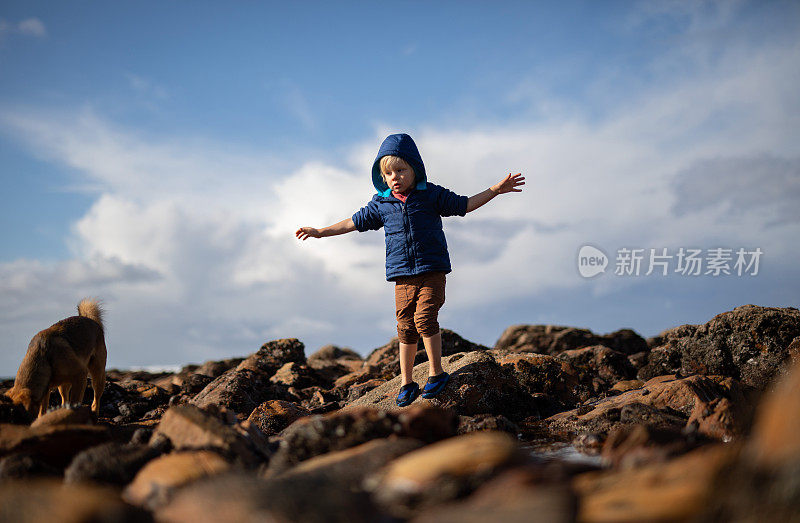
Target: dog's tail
(91, 308)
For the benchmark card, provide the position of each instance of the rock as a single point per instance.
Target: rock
(552, 339)
(12, 413)
(55, 445)
(387, 358)
(517, 495)
(315, 435)
(50, 500)
(542, 373)
(188, 427)
(749, 343)
(240, 498)
(273, 355)
(343, 384)
(240, 390)
(112, 463)
(677, 490)
(25, 466)
(295, 374)
(214, 369)
(478, 385)
(332, 352)
(331, 363)
(717, 407)
(275, 415)
(69, 415)
(356, 391)
(442, 471)
(638, 360)
(194, 383)
(599, 365)
(483, 422)
(626, 385)
(630, 446)
(348, 468)
(155, 483)
(763, 484)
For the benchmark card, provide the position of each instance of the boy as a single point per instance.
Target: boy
(409, 208)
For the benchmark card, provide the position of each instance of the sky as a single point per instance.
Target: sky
(160, 156)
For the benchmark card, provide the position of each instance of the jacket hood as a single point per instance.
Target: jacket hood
(403, 146)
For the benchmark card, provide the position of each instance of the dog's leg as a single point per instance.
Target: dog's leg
(64, 389)
(78, 391)
(97, 370)
(45, 403)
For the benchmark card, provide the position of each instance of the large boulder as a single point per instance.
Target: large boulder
(478, 385)
(55, 445)
(678, 490)
(348, 468)
(275, 415)
(712, 406)
(763, 484)
(156, 483)
(50, 500)
(243, 498)
(240, 390)
(189, 427)
(749, 343)
(443, 471)
(599, 366)
(274, 354)
(552, 339)
(315, 435)
(554, 383)
(332, 362)
(111, 464)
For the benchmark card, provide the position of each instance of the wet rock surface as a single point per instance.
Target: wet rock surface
(698, 423)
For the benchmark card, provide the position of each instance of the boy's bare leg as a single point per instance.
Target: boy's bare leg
(433, 346)
(407, 353)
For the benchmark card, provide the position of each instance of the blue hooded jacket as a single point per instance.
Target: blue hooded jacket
(415, 242)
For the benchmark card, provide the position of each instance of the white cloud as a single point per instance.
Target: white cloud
(29, 27)
(32, 27)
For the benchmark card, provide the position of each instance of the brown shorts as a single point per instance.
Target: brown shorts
(418, 300)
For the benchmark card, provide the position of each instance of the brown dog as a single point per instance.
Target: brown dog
(60, 357)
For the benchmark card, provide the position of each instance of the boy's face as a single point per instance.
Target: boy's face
(399, 177)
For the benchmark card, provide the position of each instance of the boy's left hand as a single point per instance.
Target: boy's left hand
(511, 183)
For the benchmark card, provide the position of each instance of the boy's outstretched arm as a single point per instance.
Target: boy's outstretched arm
(511, 183)
(342, 227)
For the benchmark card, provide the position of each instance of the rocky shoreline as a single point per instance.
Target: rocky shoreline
(699, 423)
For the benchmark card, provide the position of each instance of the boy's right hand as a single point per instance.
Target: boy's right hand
(304, 233)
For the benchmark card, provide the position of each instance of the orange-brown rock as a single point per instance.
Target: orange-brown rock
(275, 415)
(155, 483)
(73, 415)
(443, 471)
(189, 427)
(53, 444)
(677, 490)
(717, 407)
(51, 500)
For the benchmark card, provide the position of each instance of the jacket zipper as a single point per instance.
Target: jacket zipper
(409, 236)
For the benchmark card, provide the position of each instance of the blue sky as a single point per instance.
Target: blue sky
(159, 155)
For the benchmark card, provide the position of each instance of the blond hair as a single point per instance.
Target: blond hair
(391, 162)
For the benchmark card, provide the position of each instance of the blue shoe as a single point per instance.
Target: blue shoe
(408, 393)
(435, 385)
